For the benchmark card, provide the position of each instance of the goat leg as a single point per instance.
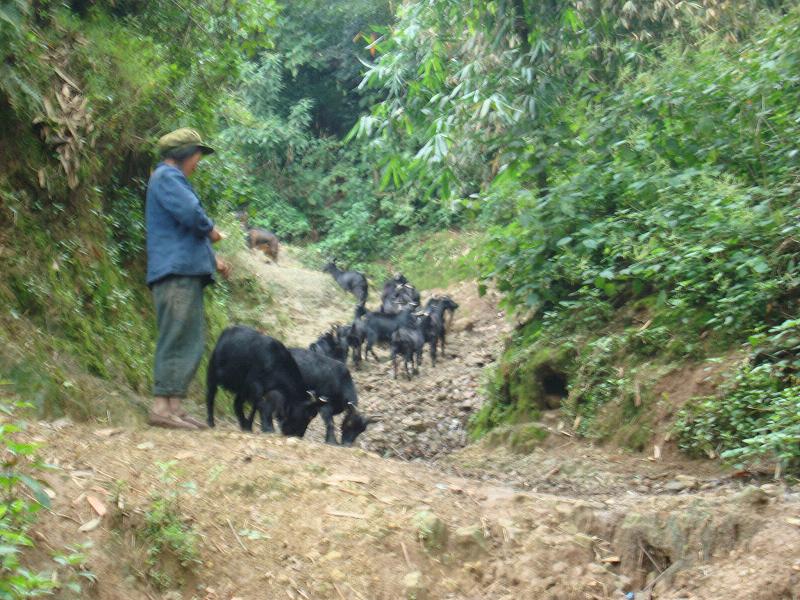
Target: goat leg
(238, 408)
(251, 417)
(267, 407)
(326, 414)
(211, 393)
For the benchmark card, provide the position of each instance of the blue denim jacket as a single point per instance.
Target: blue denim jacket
(177, 228)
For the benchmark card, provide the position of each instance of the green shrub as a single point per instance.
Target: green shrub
(22, 496)
(756, 420)
(18, 511)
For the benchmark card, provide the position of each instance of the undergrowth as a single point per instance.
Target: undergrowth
(22, 496)
(603, 376)
(79, 326)
(436, 259)
(171, 541)
(676, 198)
(429, 259)
(754, 421)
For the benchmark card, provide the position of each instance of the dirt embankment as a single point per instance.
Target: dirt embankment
(298, 519)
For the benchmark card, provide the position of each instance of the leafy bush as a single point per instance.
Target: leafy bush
(22, 496)
(18, 511)
(673, 189)
(755, 420)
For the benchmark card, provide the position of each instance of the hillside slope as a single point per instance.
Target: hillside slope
(287, 518)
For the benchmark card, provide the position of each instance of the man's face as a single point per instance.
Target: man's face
(190, 164)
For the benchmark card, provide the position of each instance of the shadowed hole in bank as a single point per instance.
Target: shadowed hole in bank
(553, 384)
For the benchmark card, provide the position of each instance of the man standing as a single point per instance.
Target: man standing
(180, 263)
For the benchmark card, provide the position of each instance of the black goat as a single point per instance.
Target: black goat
(355, 336)
(389, 289)
(407, 295)
(441, 304)
(437, 307)
(408, 342)
(350, 281)
(260, 370)
(330, 344)
(428, 326)
(398, 294)
(380, 327)
(330, 380)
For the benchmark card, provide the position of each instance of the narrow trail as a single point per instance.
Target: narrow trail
(426, 418)
(421, 418)
(415, 513)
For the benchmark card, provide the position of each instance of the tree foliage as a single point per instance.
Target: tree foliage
(493, 78)
(617, 153)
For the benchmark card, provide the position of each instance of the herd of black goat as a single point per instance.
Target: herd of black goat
(293, 385)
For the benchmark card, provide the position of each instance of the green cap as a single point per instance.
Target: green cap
(181, 138)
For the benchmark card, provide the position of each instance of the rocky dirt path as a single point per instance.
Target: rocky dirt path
(426, 418)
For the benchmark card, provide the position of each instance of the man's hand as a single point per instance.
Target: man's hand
(223, 268)
(215, 235)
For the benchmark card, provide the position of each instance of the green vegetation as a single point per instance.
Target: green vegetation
(18, 512)
(755, 420)
(23, 496)
(171, 541)
(86, 92)
(436, 260)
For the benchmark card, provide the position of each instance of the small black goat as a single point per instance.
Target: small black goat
(355, 335)
(350, 281)
(428, 326)
(437, 307)
(379, 327)
(260, 370)
(332, 345)
(330, 380)
(408, 342)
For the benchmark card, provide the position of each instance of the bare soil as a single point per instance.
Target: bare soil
(415, 512)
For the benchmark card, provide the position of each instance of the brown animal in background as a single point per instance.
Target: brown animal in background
(263, 240)
(260, 239)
